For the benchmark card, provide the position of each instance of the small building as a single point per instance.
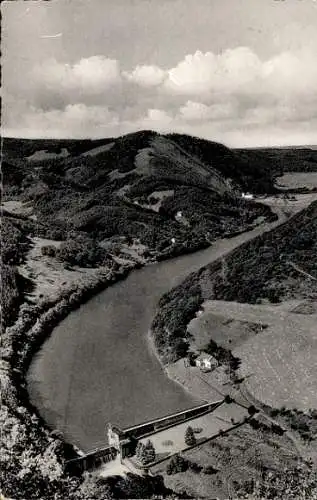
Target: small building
(121, 441)
(247, 196)
(206, 361)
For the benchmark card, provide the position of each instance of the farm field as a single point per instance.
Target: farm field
(288, 206)
(293, 180)
(279, 361)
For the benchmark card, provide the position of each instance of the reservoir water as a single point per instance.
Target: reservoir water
(97, 367)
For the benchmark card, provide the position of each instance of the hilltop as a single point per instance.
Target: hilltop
(142, 196)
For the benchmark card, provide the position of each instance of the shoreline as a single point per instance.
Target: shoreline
(24, 339)
(153, 351)
(20, 343)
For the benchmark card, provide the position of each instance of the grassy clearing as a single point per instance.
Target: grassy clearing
(293, 180)
(280, 360)
(226, 332)
(49, 275)
(229, 462)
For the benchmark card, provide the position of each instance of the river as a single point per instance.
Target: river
(97, 367)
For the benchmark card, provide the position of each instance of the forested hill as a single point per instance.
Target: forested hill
(166, 151)
(134, 186)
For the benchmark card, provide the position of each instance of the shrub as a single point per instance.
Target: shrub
(273, 296)
(197, 430)
(209, 469)
(191, 356)
(255, 424)
(274, 412)
(145, 453)
(176, 464)
(228, 399)
(190, 438)
(277, 429)
(252, 410)
(49, 250)
(149, 451)
(195, 467)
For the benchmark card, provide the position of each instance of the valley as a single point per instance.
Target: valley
(78, 222)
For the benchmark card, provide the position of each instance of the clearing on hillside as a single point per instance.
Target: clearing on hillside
(294, 180)
(279, 361)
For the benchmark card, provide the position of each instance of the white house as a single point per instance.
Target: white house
(247, 196)
(206, 361)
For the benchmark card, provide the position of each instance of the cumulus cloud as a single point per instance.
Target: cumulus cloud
(73, 121)
(207, 72)
(147, 76)
(89, 75)
(213, 95)
(199, 111)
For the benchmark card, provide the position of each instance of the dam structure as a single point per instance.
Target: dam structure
(122, 443)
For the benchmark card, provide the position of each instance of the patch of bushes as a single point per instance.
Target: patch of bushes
(14, 245)
(291, 482)
(133, 486)
(209, 469)
(222, 355)
(190, 438)
(303, 423)
(81, 252)
(49, 250)
(180, 464)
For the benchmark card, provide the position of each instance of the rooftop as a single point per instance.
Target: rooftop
(206, 357)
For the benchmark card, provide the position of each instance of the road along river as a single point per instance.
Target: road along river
(97, 366)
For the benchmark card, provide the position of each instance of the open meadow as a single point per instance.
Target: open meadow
(278, 357)
(295, 180)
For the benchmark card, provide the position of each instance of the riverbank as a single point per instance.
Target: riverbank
(23, 428)
(30, 449)
(176, 370)
(235, 276)
(24, 431)
(284, 368)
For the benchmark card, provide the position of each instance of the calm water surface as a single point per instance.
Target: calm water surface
(96, 367)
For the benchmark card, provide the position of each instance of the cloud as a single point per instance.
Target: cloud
(89, 75)
(201, 112)
(207, 72)
(232, 94)
(147, 76)
(93, 81)
(76, 120)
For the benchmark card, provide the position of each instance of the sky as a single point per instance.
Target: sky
(241, 72)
